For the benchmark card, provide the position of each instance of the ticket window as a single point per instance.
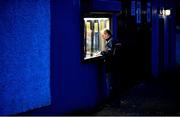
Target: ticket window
(93, 43)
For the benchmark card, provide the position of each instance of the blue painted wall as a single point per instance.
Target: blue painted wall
(166, 42)
(169, 51)
(75, 85)
(173, 34)
(106, 5)
(24, 55)
(169, 37)
(155, 37)
(178, 48)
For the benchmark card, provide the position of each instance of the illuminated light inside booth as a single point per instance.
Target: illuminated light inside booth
(93, 43)
(165, 13)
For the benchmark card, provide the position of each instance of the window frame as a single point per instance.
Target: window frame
(93, 15)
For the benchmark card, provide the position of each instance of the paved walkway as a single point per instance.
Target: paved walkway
(152, 97)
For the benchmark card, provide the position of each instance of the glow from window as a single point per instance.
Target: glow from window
(165, 12)
(93, 28)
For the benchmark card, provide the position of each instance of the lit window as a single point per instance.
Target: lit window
(93, 43)
(165, 12)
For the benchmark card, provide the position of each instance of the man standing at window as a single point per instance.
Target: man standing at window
(107, 54)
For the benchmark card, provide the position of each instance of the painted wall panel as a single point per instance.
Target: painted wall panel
(155, 38)
(24, 55)
(75, 85)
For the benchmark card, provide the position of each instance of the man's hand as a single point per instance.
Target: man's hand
(98, 53)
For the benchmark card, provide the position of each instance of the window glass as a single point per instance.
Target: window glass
(93, 43)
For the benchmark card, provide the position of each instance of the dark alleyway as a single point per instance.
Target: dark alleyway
(154, 97)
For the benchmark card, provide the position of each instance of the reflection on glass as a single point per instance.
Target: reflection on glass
(88, 37)
(96, 37)
(92, 34)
